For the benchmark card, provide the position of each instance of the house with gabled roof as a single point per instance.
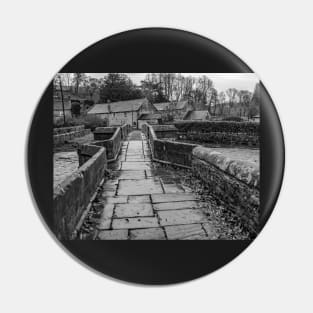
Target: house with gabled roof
(197, 116)
(121, 112)
(175, 109)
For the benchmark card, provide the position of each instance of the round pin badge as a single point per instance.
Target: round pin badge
(155, 156)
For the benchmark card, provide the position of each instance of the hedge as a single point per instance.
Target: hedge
(218, 127)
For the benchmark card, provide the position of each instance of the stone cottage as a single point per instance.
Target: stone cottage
(121, 112)
(174, 110)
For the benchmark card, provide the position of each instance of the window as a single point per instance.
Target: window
(125, 114)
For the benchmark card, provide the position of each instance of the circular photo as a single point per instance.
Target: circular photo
(155, 177)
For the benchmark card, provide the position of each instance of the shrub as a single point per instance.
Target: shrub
(232, 119)
(89, 121)
(218, 126)
(92, 122)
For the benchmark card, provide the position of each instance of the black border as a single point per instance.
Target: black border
(154, 50)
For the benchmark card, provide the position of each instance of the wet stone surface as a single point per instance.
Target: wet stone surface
(186, 232)
(175, 205)
(133, 210)
(181, 217)
(139, 187)
(147, 234)
(135, 222)
(141, 201)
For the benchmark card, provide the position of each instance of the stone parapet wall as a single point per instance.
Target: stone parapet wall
(72, 196)
(126, 128)
(104, 133)
(244, 171)
(111, 145)
(167, 151)
(62, 138)
(173, 152)
(86, 152)
(234, 182)
(64, 130)
(165, 131)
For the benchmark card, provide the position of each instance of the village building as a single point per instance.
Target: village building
(121, 112)
(197, 116)
(149, 118)
(174, 110)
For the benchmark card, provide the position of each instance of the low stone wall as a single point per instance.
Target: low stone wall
(86, 152)
(64, 130)
(111, 145)
(236, 183)
(173, 152)
(104, 133)
(68, 133)
(222, 138)
(126, 128)
(72, 196)
(165, 131)
(167, 151)
(219, 132)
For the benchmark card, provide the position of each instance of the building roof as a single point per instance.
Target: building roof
(197, 115)
(57, 105)
(120, 106)
(181, 104)
(162, 106)
(149, 116)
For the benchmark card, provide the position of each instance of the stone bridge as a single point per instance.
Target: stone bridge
(144, 202)
(120, 191)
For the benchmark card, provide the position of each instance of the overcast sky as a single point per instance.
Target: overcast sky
(221, 81)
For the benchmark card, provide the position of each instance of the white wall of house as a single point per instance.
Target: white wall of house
(120, 118)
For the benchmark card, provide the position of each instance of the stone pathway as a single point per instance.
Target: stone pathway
(142, 202)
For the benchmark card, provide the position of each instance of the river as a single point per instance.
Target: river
(64, 164)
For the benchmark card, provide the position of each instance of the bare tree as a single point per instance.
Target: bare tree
(245, 97)
(221, 100)
(213, 100)
(232, 94)
(204, 85)
(58, 82)
(78, 79)
(179, 86)
(188, 87)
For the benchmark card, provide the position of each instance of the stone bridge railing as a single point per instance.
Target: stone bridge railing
(63, 134)
(109, 137)
(72, 198)
(236, 183)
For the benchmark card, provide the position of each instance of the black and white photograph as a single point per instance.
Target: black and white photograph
(156, 156)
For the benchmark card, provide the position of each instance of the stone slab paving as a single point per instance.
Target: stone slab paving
(135, 222)
(175, 205)
(186, 232)
(147, 234)
(132, 209)
(142, 202)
